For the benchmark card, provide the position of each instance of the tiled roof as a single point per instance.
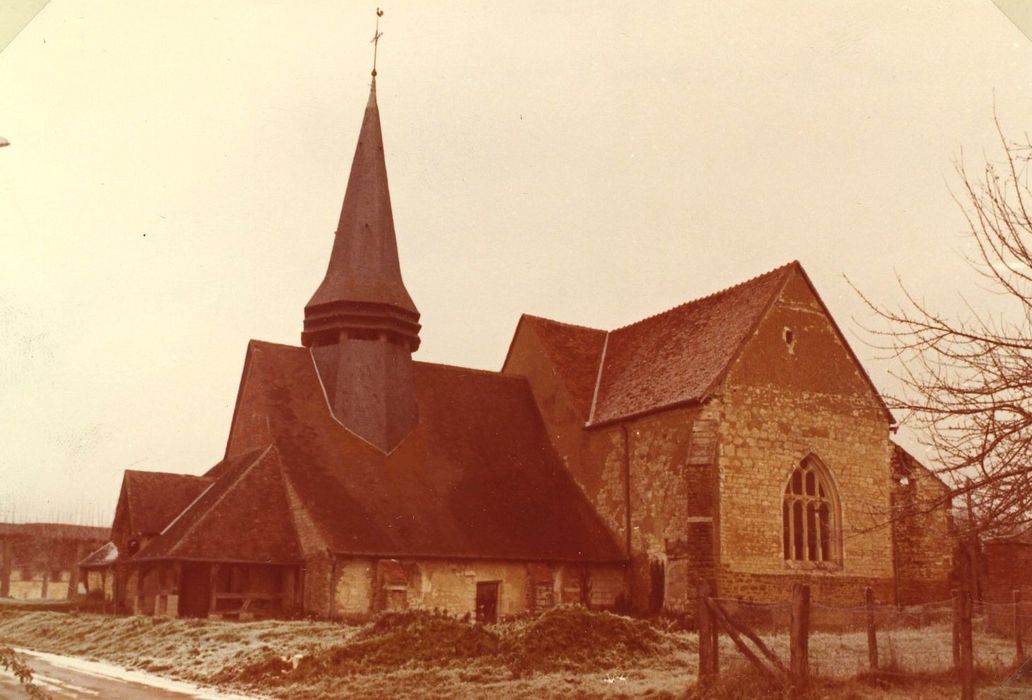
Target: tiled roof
(477, 478)
(672, 358)
(155, 498)
(103, 556)
(679, 355)
(57, 531)
(575, 352)
(243, 516)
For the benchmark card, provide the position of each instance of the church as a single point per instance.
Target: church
(735, 438)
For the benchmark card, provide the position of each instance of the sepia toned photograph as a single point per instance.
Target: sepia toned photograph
(529, 350)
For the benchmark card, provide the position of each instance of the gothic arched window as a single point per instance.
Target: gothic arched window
(810, 516)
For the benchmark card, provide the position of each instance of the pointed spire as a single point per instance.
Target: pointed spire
(364, 270)
(364, 263)
(361, 324)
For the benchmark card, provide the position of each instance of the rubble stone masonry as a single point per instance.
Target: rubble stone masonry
(451, 585)
(924, 537)
(795, 392)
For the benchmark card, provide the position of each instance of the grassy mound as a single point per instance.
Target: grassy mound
(573, 638)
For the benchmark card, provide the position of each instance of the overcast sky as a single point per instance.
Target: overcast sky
(176, 172)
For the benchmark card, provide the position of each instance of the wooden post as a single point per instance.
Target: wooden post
(709, 661)
(1019, 650)
(213, 574)
(965, 669)
(957, 630)
(799, 659)
(75, 575)
(5, 570)
(872, 637)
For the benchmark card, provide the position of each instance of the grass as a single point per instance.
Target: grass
(565, 652)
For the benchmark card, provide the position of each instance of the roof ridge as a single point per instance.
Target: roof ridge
(51, 523)
(564, 323)
(247, 462)
(457, 368)
(711, 295)
(147, 471)
(256, 341)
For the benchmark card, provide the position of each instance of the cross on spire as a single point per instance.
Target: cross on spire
(376, 38)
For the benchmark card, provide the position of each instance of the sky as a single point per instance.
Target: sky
(176, 172)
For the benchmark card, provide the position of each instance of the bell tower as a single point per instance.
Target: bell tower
(361, 325)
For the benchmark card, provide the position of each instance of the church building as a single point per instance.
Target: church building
(735, 438)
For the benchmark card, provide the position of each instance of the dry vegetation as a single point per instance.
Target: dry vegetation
(566, 652)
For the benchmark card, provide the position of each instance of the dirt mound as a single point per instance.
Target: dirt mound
(562, 639)
(572, 638)
(393, 640)
(420, 636)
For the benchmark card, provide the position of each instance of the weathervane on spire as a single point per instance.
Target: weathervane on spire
(376, 38)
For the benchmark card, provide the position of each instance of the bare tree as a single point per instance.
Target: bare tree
(966, 384)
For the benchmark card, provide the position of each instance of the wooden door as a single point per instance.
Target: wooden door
(487, 601)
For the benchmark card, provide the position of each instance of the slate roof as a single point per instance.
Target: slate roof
(364, 263)
(672, 358)
(478, 478)
(153, 499)
(105, 555)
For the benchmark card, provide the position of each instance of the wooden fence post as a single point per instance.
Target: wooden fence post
(799, 658)
(955, 593)
(872, 637)
(1019, 650)
(709, 660)
(963, 651)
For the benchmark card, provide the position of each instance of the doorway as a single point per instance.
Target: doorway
(195, 590)
(487, 601)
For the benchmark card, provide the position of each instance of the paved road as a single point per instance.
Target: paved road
(64, 678)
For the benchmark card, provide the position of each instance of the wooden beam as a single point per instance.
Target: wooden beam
(733, 632)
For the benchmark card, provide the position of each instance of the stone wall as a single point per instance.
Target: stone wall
(638, 473)
(362, 586)
(595, 460)
(795, 391)
(923, 537)
(1008, 565)
(672, 504)
(353, 587)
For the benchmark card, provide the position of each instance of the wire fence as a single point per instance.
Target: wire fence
(912, 641)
